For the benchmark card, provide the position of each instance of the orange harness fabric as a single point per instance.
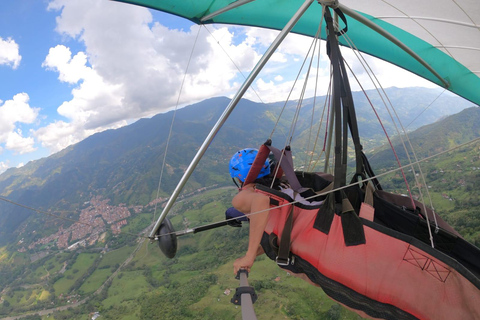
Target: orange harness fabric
(386, 269)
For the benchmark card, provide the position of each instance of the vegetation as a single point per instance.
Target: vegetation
(125, 277)
(453, 182)
(191, 286)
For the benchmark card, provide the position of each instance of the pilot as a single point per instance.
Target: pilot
(248, 201)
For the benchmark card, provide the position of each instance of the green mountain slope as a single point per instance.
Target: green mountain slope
(434, 138)
(118, 171)
(124, 165)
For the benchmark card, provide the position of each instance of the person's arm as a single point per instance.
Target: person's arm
(252, 202)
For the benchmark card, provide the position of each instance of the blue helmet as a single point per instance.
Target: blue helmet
(242, 161)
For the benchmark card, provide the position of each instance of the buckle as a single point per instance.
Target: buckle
(282, 262)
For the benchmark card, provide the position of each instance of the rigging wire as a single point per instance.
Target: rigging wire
(294, 121)
(288, 138)
(231, 60)
(326, 106)
(412, 168)
(295, 118)
(352, 184)
(326, 193)
(302, 93)
(357, 53)
(171, 125)
(441, 93)
(377, 84)
(286, 102)
(362, 60)
(307, 164)
(384, 130)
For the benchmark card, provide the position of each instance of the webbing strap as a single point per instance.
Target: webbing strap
(283, 256)
(353, 233)
(370, 173)
(326, 189)
(325, 214)
(334, 54)
(369, 194)
(284, 158)
(342, 101)
(286, 163)
(344, 19)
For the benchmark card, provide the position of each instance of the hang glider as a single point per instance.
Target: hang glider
(438, 40)
(377, 253)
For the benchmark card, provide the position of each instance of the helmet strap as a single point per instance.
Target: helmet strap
(235, 181)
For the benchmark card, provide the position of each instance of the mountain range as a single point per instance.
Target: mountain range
(124, 165)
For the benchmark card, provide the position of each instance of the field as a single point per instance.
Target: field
(197, 284)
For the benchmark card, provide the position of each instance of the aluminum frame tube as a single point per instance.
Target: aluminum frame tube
(248, 313)
(231, 6)
(203, 148)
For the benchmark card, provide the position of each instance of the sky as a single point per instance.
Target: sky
(72, 68)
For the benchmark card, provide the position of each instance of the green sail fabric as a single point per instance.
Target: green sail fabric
(443, 33)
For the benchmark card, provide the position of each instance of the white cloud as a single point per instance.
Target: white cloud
(9, 53)
(94, 99)
(17, 143)
(133, 67)
(4, 166)
(14, 112)
(277, 79)
(59, 134)
(70, 69)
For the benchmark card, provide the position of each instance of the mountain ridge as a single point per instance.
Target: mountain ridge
(124, 164)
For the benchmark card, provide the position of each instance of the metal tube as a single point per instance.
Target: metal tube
(203, 148)
(231, 6)
(248, 313)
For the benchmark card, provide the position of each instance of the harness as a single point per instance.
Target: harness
(368, 249)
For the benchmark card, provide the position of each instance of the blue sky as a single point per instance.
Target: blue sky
(71, 68)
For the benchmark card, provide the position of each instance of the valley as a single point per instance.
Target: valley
(89, 256)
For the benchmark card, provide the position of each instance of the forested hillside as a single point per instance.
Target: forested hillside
(105, 191)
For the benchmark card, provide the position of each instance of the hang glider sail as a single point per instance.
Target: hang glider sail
(442, 35)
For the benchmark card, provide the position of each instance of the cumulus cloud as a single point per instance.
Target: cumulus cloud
(4, 166)
(9, 53)
(147, 59)
(12, 113)
(135, 69)
(19, 144)
(133, 66)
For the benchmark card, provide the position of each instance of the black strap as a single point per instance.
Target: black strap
(283, 256)
(285, 159)
(353, 233)
(342, 103)
(325, 214)
(370, 173)
(344, 19)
